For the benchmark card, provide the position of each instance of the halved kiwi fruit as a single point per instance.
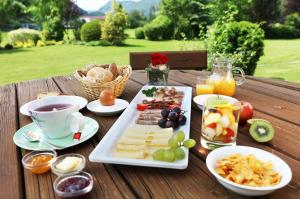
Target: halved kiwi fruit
(262, 130)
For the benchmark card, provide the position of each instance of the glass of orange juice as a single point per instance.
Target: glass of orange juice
(203, 86)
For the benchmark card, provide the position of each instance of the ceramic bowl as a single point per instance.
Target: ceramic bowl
(278, 165)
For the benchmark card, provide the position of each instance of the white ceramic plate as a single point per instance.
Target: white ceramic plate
(201, 99)
(104, 150)
(65, 99)
(98, 109)
(278, 165)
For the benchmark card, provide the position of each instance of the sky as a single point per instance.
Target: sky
(91, 5)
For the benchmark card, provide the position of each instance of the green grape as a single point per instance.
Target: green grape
(173, 143)
(179, 153)
(169, 156)
(180, 136)
(159, 155)
(189, 143)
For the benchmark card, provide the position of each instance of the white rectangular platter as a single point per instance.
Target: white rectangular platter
(103, 152)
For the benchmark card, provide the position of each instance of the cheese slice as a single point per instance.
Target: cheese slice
(130, 154)
(131, 147)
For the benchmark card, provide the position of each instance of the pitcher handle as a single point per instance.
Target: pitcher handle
(243, 78)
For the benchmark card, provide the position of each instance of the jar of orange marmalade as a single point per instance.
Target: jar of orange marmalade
(39, 161)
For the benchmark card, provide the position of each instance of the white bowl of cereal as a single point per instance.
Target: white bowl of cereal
(248, 171)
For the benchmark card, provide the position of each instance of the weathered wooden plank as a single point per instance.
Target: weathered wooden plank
(277, 91)
(69, 85)
(10, 168)
(281, 109)
(40, 186)
(287, 148)
(150, 182)
(268, 81)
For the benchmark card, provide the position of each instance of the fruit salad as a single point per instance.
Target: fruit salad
(220, 121)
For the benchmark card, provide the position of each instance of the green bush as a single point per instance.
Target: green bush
(113, 28)
(8, 46)
(91, 31)
(0, 36)
(24, 36)
(139, 33)
(242, 41)
(281, 31)
(160, 28)
(53, 29)
(293, 20)
(40, 43)
(183, 29)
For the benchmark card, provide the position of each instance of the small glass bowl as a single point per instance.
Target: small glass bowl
(43, 167)
(61, 158)
(69, 181)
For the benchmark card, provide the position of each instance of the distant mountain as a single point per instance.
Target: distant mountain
(144, 6)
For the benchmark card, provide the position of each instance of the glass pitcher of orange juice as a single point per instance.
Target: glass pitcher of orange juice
(222, 78)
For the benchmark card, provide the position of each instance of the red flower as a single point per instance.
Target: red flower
(159, 59)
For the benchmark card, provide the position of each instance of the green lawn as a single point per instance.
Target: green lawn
(282, 58)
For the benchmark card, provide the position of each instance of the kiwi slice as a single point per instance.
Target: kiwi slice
(262, 131)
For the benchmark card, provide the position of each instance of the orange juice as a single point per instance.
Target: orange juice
(204, 89)
(224, 87)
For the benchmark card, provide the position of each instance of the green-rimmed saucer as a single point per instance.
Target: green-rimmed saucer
(90, 128)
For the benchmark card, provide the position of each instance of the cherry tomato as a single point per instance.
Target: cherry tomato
(141, 107)
(212, 125)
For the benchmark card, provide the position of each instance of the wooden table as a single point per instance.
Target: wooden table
(276, 101)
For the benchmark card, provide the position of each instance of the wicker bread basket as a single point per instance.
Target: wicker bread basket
(93, 90)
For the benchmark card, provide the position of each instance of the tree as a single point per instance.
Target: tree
(292, 6)
(265, 11)
(12, 13)
(54, 15)
(240, 8)
(113, 28)
(136, 19)
(188, 16)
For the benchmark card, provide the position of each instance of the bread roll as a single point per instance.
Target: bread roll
(113, 69)
(95, 72)
(99, 74)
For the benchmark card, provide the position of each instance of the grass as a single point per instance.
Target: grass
(281, 59)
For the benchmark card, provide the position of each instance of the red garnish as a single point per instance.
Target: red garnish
(141, 107)
(158, 59)
(77, 136)
(230, 132)
(212, 125)
(227, 139)
(171, 107)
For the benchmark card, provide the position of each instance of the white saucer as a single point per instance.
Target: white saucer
(201, 99)
(97, 108)
(90, 128)
(67, 99)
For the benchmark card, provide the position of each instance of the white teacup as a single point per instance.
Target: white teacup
(56, 120)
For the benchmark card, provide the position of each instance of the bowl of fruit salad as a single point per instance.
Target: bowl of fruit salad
(220, 120)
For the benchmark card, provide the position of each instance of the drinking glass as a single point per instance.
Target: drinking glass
(203, 86)
(220, 120)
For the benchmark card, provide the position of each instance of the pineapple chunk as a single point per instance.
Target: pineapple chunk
(212, 118)
(209, 133)
(219, 129)
(225, 121)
